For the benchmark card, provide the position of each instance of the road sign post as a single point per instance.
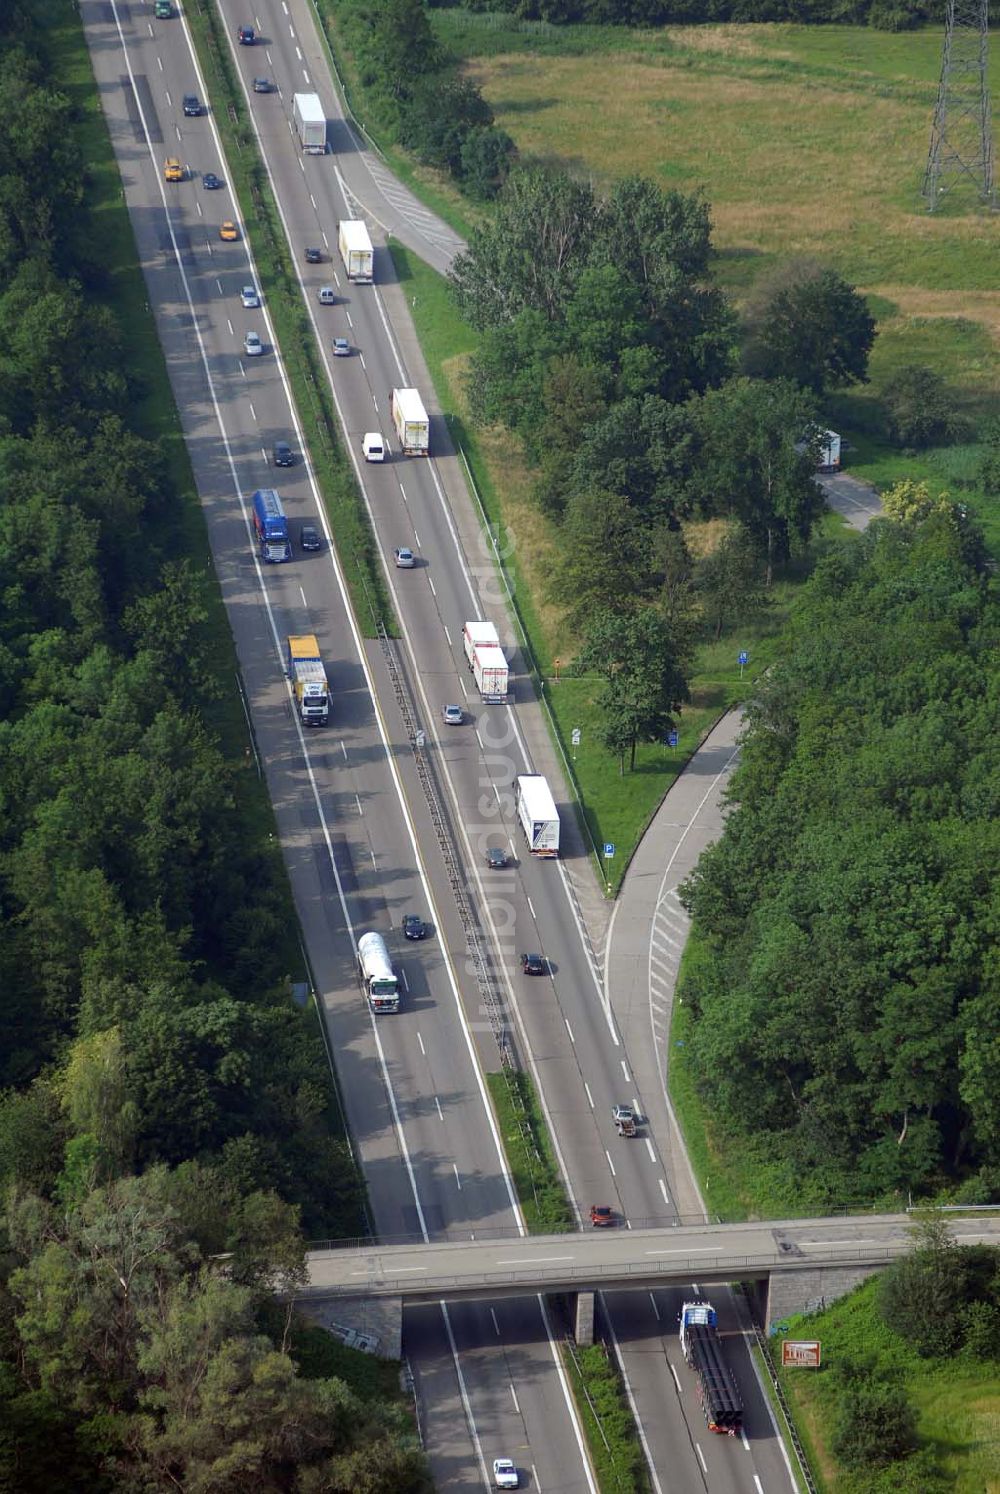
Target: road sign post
(743, 660)
(801, 1353)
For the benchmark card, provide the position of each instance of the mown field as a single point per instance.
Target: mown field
(807, 140)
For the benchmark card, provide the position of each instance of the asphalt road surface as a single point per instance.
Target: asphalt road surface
(351, 811)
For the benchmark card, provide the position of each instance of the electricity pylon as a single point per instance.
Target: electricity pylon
(962, 133)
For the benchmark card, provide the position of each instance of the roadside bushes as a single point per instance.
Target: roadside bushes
(887, 15)
(415, 96)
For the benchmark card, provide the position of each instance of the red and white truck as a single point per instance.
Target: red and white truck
(486, 659)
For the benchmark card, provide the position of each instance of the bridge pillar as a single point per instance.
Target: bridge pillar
(584, 1319)
(809, 1290)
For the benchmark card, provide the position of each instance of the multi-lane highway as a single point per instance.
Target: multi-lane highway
(353, 816)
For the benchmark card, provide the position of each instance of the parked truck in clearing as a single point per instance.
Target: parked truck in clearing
(486, 660)
(308, 676)
(410, 419)
(310, 123)
(375, 972)
(538, 815)
(356, 250)
(271, 526)
(717, 1391)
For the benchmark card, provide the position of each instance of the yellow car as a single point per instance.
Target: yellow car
(173, 170)
(228, 232)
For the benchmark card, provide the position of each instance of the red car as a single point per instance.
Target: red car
(601, 1216)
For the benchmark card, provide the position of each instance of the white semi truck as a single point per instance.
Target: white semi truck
(356, 250)
(308, 676)
(310, 123)
(536, 809)
(486, 660)
(375, 972)
(410, 419)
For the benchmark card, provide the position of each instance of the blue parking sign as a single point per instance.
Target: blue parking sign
(609, 849)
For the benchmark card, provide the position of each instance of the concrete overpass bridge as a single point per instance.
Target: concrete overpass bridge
(797, 1262)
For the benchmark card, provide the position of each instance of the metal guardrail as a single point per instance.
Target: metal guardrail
(778, 1391)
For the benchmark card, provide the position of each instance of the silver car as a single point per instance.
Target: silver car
(250, 297)
(327, 295)
(453, 715)
(405, 558)
(252, 345)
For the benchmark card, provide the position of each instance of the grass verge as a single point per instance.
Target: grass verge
(610, 1429)
(293, 329)
(957, 1400)
(529, 1153)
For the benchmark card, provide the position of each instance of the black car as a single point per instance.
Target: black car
(283, 455)
(192, 105)
(496, 858)
(211, 182)
(414, 927)
(262, 85)
(246, 36)
(310, 537)
(314, 256)
(533, 964)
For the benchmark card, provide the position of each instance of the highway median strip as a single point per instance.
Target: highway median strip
(356, 547)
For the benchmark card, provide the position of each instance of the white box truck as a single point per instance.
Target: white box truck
(375, 972)
(476, 635)
(308, 677)
(489, 670)
(310, 123)
(410, 419)
(539, 817)
(356, 249)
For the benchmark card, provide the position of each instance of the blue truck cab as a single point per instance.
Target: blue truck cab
(271, 526)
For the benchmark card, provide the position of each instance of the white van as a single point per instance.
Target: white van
(373, 447)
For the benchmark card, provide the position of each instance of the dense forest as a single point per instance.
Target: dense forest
(846, 1002)
(888, 15)
(164, 1107)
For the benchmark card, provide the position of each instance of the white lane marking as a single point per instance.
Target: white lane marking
(305, 76)
(746, 1442)
(358, 803)
(430, 583)
(402, 976)
(313, 201)
(396, 1271)
(687, 1250)
(760, 1486)
(497, 792)
(364, 365)
(159, 60)
(570, 1031)
(537, 1260)
(416, 538)
(343, 748)
(264, 455)
(219, 284)
(298, 53)
(589, 1095)
(496, 1325)
(291, 30)
(326, 242)
(610, 1163)
(531, 908)
(301, 162)
(348, 316)
(701, 1457)
(464, 690)
(656, 1310)
(537, 1480)
(303, 596)
(513, 1396)
(284, 7)
(439, 1110)
(676, 1381)
(625, 1071)
(458, 1180)
(167, 92)
(243, 370)
(421, 1042)
(511, 844)
(253, 412)
(663, 1190)
(649, 1148)
(374, 862)
(336, 279)
(375, 402)
(198, 206)
(450, 645)
(230, 326)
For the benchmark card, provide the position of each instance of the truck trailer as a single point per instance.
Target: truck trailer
(489, 670)
(270, 526)
(308, 677)
(410, 419)
(310, 123)
(717, 1391)
(476, 635)
(539, 817)
(375, 972)
(356, 249)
